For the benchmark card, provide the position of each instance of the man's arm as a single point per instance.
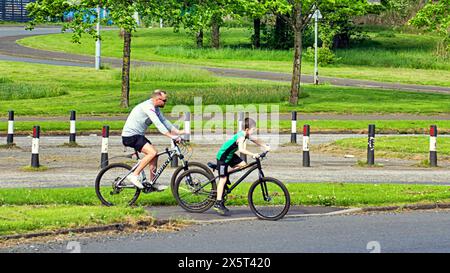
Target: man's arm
(155, 118)
(242, 148)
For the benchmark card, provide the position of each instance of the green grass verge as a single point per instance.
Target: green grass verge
(411, 55)
(413, 147)
(93, 92)
(341, 194)
(24, 219)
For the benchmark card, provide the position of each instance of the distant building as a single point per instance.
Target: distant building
(14, 10)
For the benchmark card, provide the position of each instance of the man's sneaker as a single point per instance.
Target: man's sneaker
(159, 187)
(135, 180)
(220, 208)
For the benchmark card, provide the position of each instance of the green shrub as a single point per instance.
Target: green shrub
(325, 55)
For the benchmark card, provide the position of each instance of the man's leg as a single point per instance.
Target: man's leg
(150, 154)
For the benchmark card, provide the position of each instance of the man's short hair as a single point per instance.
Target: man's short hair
(158, 92)
(249, 123)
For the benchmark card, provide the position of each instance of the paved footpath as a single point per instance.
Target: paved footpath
(10, 50)
(418, 231)
(76, 167)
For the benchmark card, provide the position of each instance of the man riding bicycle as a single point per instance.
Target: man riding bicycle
(133, 135)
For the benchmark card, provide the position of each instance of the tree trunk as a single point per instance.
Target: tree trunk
(126, 70)
(215, 33)
(297, 67)
(199, 39)
(257, 33)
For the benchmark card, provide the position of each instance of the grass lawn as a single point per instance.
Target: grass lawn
(410, 55)
(91, 92)
(408, 147)
(26, 218)
(26, 210)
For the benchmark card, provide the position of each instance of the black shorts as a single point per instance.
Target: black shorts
(222, 166)
(137, 142)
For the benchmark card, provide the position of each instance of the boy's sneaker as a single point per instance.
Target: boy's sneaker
(159, 187)
(135, 180)
(220, 208)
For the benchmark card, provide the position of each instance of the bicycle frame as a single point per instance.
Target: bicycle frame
(252, 166)
(171, 153)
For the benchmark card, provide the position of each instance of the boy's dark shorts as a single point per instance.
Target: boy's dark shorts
(222, 167)
(137, 142)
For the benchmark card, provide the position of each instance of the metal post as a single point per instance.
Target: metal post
(104, 161)
(10, 137)
(72, 137)
(187, 126)
(35, 147)
(306, 141)
(371, 146)
(98, 42)
(241, 127)
(433, 148)
(294, 127)
(316, 68)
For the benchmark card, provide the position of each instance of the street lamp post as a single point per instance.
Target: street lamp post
(317, 15)
(98, 42)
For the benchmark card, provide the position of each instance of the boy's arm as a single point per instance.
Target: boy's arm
(260, 143)
(242, 149)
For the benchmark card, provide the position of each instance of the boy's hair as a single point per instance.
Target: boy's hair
(158, 92)
(249, 123)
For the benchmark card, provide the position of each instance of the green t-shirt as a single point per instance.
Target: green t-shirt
(228, 149)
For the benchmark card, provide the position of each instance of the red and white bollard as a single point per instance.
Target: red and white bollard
(306, 141)
(433, 146)
(10, 137)
(104, 161)
(187, 126)
(35, 147)
(73, 132)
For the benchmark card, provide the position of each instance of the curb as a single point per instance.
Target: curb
(409, 207)
(111, 227)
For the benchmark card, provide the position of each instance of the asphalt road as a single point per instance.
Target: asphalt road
(419, 231)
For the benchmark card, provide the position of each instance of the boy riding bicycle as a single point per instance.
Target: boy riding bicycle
(227, 157)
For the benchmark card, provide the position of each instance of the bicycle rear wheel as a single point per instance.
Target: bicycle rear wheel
(190, 165)
(106, 190)
(269, 199)
(194, 190)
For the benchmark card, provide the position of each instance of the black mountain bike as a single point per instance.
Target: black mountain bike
(195, 191)
(112, 188)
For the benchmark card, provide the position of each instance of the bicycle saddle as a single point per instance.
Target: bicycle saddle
(212, 165)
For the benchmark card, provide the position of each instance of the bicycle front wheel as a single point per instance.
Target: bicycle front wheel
(269, 199)
(111, 194)
(195, 190)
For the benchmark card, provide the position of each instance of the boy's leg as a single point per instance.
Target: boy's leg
(220, 187)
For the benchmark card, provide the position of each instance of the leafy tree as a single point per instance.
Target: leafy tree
(435, 17)
(121, 12)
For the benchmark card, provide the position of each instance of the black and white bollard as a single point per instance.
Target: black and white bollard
(104, 161)
(306, 141)
(241, 127)
(433, 146)
(187, 126)
(371, 146)
(294, 127)
(35, 147)
(73, 132)
(10, 137)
